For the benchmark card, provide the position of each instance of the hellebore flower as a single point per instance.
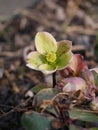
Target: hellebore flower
(50, 55)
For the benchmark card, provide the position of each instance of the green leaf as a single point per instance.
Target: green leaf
(45, 43)
(64, 60)
(38, 87)
(35, 59)
(51, 109)
(45, 94)
(63, 47)
(37, 121)
(83, 115)
(93, 129)
(74, 127)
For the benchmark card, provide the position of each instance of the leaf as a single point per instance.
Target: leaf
(74, 127)
(51, 110)
(93, 129)
(45, 94)
(37, 121)
(83, 115)
(45, 43)
(38, 87)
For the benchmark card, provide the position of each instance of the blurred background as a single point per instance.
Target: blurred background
(20, 20)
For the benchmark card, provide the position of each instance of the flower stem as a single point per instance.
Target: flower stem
(54, 79)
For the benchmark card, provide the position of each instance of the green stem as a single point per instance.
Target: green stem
(54, 79)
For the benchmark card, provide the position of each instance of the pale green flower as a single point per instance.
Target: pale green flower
(50, 55)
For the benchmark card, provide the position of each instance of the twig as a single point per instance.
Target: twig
(17, 108)
(13, 84)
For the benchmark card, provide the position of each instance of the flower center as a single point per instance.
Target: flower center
(51, 57)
